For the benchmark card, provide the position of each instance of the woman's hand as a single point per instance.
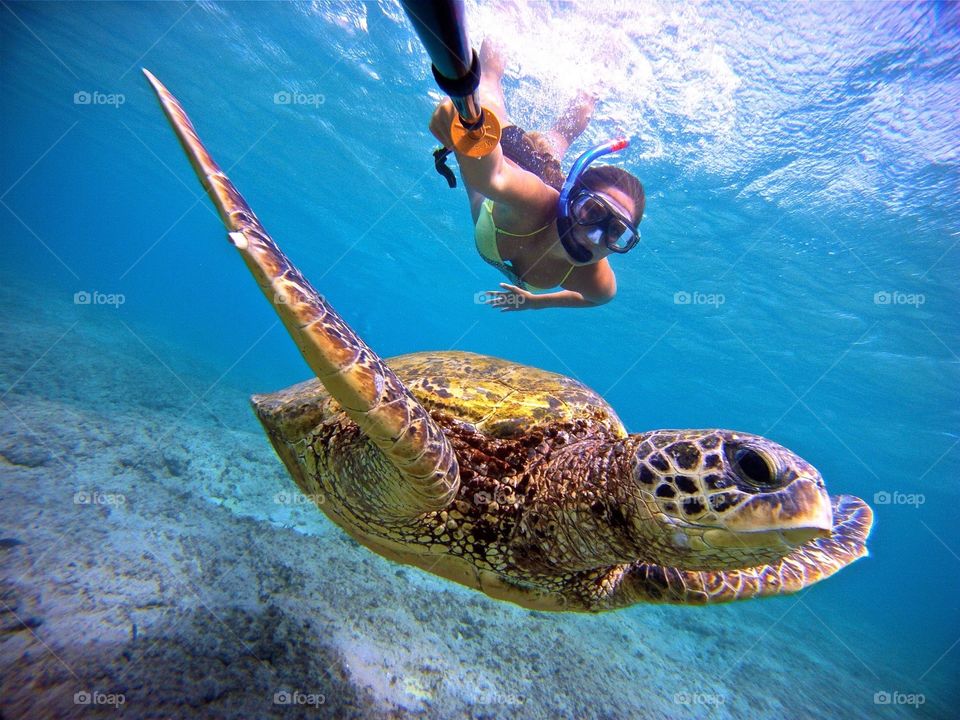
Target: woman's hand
(510, 299)
(441, 122)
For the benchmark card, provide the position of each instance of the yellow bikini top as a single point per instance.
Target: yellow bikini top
(485, 237)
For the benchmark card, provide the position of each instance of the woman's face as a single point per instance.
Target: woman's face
(590, 235)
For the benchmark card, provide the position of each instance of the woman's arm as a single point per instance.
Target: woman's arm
(492, 175)
(594, 284)
(513, 298)
(564, 298)
(588, 286)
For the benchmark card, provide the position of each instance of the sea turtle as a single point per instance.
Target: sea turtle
(522, 483)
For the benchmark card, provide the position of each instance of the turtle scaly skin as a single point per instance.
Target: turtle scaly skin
(521, 483)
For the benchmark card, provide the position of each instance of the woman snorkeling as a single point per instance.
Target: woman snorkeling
(539, 229)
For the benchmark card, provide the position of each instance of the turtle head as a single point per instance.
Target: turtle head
(719, 499)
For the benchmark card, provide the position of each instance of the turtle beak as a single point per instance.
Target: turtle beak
(799, 536)
(799, 513)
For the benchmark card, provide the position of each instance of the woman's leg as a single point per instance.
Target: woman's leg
(492, 64)
(571, 123)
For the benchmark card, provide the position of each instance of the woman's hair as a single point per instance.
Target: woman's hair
(599, 177)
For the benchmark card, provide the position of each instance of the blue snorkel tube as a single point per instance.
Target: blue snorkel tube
(576, 250)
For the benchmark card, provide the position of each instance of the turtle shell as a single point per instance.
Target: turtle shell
(498, 397)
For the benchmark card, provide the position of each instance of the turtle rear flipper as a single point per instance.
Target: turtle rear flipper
(370, 393)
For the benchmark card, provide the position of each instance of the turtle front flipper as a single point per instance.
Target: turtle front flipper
(809, 563)
(370, 393)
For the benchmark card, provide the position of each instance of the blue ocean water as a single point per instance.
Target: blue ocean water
(797, 276)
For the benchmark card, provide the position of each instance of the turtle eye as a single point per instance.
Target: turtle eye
(754, 468)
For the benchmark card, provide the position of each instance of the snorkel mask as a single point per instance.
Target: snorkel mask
(576, 248)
